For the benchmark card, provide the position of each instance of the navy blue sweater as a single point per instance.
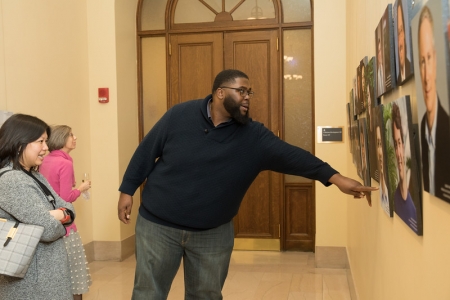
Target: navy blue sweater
(198, 174)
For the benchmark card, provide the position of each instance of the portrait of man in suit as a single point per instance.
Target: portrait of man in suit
(404, 64)
(404, 204)
(435, 125)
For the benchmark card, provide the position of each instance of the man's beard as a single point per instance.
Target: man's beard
(234, 109)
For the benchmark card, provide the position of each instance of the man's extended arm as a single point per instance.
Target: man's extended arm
(352, 187)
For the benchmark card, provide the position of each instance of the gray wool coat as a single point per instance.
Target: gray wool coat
(48, 276)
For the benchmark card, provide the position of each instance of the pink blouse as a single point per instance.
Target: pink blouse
(57, 168)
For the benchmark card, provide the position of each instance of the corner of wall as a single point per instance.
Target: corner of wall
(111, 251)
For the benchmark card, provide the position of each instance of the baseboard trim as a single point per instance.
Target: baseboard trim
(331, 257)
(336, 258)
(112, 251)
(89, 251)
(351, 285)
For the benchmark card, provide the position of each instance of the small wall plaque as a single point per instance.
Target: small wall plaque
(330, 134)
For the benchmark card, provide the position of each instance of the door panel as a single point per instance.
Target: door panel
(255, 53)
(300, 230)
(194, 62)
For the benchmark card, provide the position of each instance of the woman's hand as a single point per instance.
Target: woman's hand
(57, 214)
(64, 215)
(84, 186)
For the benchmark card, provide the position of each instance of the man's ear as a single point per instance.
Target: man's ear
(220, 93)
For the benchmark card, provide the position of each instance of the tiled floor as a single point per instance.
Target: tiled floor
(252, 275)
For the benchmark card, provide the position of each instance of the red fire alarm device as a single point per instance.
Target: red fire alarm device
(103, 95)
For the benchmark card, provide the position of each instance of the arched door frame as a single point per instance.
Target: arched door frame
(171, 28)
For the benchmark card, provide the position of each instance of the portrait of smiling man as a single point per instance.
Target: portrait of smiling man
(432, 101)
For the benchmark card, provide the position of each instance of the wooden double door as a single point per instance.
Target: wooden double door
(195, 60)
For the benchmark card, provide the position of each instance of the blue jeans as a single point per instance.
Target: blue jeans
(159, 249)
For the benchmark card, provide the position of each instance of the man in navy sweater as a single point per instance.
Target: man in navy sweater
(198, 162)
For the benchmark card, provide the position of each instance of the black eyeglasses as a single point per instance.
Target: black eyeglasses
(242, 92)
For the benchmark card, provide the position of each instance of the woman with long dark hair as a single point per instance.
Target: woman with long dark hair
(27, 197)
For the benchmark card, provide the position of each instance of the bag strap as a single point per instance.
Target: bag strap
(44, 189)
(4, 172)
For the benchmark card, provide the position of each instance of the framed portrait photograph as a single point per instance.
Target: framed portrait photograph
(402, 163)
(356, 147)
(378, 160)
(352, 105)
(371, 82)
(404, 67)
(370, 99)
(431, 62)
(357, 91)
(364, 148)
(362, 85)
(384, 49)
(354, 101)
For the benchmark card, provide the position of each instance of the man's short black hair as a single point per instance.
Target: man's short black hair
(227, 76)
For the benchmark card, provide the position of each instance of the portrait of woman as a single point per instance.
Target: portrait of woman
(406, 189)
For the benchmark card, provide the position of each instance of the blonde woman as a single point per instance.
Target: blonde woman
(57, 167)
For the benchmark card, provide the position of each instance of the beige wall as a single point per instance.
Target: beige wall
(51, 65)
(59, 61)
(54, 55)
(45, 66)
(112, 64)
(330, 96)
(387, 259)
(127, 94)
(90, 44)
